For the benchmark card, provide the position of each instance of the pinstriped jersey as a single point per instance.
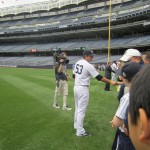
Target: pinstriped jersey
(121, 112)
(83, 71)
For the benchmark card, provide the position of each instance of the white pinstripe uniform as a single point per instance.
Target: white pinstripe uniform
(121, 111)
(83, 71)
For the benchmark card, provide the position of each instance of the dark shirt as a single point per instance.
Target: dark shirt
(61, 75)
(121, 91)
(108, 71)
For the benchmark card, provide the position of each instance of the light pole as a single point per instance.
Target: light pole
(109, 28)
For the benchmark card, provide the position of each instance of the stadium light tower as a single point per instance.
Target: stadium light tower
(109, 28)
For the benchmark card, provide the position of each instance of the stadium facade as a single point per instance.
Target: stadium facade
(29, 34)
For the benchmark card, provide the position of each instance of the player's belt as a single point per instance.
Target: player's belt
(83, 85)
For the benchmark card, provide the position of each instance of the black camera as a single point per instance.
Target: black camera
(58, 56)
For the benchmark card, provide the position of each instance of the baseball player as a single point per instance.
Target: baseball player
(82, 73)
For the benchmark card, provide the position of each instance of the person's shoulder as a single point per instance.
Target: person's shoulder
(125, 97)
(79, 61)
(127, 94)
(84, 62)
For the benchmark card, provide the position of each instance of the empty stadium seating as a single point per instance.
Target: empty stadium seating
(87, 16)
(74, 28)
(101, 44)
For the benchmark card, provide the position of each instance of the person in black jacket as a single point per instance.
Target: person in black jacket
(108, 71)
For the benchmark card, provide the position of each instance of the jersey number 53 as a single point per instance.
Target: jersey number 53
(79, 69)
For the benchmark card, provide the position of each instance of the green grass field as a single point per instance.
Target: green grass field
(28, 121)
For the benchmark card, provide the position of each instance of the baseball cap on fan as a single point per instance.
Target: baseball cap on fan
(130, 53)
(129, 70)
(88, 53)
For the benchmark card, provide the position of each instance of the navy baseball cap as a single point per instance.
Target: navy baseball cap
(129, 70)
(88, 53)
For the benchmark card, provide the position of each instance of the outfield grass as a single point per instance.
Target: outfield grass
(28, 121)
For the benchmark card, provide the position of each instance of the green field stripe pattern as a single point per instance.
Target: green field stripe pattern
(33, 89)
(28, 112)
(28, 121)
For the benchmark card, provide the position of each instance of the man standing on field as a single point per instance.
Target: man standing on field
(61, 83)
(82, 73)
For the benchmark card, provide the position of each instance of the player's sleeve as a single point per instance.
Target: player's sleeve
(99, 77)
(124, 103)
(92, 71)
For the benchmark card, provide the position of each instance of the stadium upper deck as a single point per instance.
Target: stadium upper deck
(62, 21)
(74, 16)
(45, 5)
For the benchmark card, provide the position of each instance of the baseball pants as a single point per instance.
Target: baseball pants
(81, 94)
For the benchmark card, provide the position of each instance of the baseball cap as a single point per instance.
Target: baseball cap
(130, 53)
(88, 53)
(129, 70)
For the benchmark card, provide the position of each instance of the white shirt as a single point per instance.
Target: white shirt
(124, 103)
(114, 67)
(83, 71)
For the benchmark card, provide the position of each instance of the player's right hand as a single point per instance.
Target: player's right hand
(113, 82)
(118, 83)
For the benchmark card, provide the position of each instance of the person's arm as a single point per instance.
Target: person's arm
(108, 81)
(116, 122)
(118, 83)
(60, 68)
(103, 79)
(119, 116)
(73, 76)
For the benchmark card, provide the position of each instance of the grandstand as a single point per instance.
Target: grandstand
(31, 33)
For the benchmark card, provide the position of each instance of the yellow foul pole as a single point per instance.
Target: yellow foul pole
(109, 26)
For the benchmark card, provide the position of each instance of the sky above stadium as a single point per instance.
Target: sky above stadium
(8, 3)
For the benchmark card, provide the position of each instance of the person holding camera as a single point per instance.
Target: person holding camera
(61, 82)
